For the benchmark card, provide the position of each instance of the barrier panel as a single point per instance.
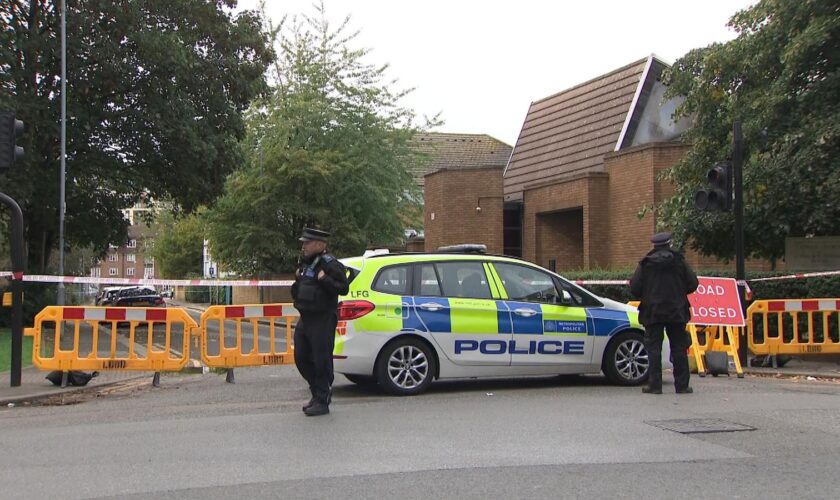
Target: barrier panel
(111, 338)
(796, 327)
(706, 338)
(250, 335)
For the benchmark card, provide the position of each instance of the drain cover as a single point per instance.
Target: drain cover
(699, 425)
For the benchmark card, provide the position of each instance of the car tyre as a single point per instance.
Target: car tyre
(626, 360)
(405, 367)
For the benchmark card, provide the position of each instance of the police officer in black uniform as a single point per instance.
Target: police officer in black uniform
(663, 280)
(319, 280)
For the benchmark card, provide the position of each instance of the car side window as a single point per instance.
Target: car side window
(464, 279)
(393, 280)
(578, 296)
(527, 284)
(429, 284)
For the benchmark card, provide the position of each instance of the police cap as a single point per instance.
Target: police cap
(661, 239)
(310, 234)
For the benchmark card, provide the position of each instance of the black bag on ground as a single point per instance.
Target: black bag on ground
(717, 363)
(73, 378)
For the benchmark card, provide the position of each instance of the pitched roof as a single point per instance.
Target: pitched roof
(454, 151)
(568, 133)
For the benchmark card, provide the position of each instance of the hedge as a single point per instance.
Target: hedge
(802, 288)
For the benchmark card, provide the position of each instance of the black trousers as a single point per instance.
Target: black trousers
(314, 342)
(679, 340)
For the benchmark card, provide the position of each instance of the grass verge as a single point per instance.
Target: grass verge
(6, 350)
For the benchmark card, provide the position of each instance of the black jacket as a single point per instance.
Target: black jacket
(663, 280)
(319, 295)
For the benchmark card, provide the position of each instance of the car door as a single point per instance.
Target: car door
(548, 327)
(456, 302)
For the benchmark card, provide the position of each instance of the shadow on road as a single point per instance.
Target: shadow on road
(351, 390)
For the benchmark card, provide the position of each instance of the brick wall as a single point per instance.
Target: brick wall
(451, 198)
(631, 187)
(586, 193)
(559, 237)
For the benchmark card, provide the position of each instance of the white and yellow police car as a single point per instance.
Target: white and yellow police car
(412, 318)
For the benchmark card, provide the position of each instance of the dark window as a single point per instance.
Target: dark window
(464, 279)
(526, 283)
(578, 295)
(429, 285)
(393, 280)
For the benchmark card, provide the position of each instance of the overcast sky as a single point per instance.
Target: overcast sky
(481, 63)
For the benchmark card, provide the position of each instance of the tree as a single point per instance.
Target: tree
(179, 246)
(780, 78)
(327, 148)
(155, 92)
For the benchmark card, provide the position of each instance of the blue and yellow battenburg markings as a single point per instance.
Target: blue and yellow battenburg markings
(445, 315)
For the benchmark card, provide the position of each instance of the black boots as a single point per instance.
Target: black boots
(311, 402)
(317, 409)
(687, 390)
(652, 390)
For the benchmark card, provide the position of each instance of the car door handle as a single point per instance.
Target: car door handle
(431, 307)
(525, 312)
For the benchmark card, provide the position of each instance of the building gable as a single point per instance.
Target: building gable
(568, 133)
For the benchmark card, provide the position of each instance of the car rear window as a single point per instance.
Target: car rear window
(393, 280)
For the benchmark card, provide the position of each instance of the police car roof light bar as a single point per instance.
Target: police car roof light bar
(464, 248)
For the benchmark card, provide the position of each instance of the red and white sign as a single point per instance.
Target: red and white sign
(716, 302)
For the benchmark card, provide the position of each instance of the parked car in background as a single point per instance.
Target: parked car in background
(138, 296)
(106, 296)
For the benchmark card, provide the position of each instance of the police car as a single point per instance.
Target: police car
(412, 318)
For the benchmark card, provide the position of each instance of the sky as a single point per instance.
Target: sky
(480, 64)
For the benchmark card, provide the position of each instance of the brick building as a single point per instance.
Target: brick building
(462, 183)
(134, 259)
(585, 164)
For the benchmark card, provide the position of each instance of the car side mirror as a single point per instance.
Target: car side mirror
(567, 298)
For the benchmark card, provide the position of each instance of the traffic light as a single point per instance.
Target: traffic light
(717, 195)
(10, 130)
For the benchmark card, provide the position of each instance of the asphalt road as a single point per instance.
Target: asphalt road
(198, 437)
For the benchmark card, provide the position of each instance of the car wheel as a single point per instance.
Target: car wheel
(626, 360)
(361, 379)
(405, 367)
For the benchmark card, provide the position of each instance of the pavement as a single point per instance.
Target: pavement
(35, 387)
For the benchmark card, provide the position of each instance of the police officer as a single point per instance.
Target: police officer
(663, 280)
(319, 280)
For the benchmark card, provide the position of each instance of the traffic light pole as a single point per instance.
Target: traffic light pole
(740, 272)
(17, 287)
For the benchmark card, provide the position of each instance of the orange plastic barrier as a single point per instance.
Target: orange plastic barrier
(111, 338)
(247, 335)
(797, 327)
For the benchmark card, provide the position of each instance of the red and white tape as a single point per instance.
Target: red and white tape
(799, 276)
(200, 282)
(41, 278)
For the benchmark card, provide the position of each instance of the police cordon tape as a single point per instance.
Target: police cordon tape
(42, 278)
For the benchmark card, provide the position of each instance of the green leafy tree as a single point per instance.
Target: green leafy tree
(780, 78)
(179, 246)
(155, 94)
(328, 148)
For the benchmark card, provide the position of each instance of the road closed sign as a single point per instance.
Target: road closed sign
(716, 302)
